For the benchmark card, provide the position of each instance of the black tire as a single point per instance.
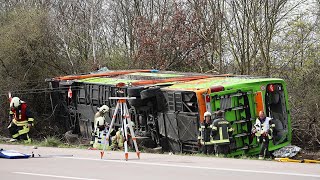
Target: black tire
(135, 91)
(137, 102)
(164, 144)
(149, 93)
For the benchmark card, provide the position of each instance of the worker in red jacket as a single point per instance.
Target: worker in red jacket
(21, 120)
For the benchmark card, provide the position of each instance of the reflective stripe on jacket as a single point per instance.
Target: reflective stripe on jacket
(22, 114)
(205, 134)
(221, 131)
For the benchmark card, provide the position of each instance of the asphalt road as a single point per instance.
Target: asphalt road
(87, 165)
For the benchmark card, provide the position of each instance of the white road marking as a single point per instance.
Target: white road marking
(198, 167)
(54, 176)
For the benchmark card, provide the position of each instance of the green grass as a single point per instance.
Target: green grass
(56, 142)
(248, 157)
(49, 141)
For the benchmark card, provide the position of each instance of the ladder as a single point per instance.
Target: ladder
(125, 120)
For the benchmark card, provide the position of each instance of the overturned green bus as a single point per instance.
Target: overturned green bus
(170, 105)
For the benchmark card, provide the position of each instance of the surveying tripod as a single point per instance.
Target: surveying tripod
(125, 121)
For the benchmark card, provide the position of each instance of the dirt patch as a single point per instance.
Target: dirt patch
(307, 155)
(4, 139)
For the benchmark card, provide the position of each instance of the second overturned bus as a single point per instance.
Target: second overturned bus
(170, 105)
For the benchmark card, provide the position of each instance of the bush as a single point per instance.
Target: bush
(304, 99)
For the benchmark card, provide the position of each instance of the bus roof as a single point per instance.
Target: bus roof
(174, 80)
(219, 81)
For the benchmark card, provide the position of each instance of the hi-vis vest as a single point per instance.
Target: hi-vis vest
(99, 134)
(205, 134)
(100, 139)
(262, 128)
(220, 130)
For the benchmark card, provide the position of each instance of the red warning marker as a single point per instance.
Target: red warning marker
(70, 93)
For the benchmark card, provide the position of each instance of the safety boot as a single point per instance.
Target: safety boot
(261, 157)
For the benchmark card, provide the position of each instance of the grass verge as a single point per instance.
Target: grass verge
(49, 141)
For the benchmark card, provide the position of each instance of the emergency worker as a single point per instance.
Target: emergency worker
(263, 129)
(204, 138)
(21, 120)
(119, 138)
(221, 132)
(100, 128)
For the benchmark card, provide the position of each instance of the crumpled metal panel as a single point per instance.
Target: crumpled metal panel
(287, 151)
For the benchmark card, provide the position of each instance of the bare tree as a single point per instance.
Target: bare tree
(208, 21)
(77, 25)
(240, 34)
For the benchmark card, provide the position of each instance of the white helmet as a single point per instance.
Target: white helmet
(103, 109)
(15, 102)
(207, 114)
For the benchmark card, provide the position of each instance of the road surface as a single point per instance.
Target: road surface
(87, 165)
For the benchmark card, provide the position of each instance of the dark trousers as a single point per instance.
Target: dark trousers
(222, 149)
(207, 149)
(264, 146)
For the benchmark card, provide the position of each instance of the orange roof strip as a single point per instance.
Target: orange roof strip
(156, 81)
(201, 102)
(114, 73)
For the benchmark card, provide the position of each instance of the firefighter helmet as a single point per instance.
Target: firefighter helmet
(207, 114)
(15, 102)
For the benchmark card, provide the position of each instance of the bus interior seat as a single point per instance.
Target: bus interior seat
(275, 98)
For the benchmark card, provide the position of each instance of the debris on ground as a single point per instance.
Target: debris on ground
(157, 150)
(287, 151)
(11, 154)
(295, 154)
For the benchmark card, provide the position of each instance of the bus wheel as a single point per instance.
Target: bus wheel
(151, 92)
(135, 91)
(137, 102)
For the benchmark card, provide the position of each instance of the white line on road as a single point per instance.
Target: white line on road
(54, 176)
(198, 167)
